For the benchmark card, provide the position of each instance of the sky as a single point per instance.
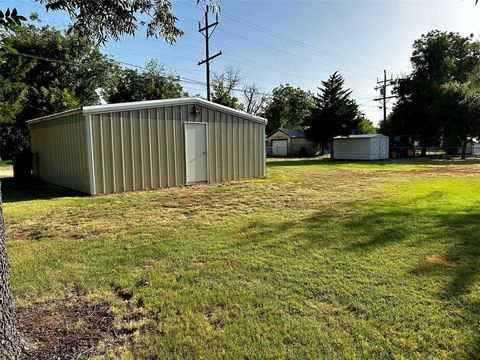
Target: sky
(293, 42)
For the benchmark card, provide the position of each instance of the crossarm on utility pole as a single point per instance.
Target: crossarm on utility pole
(208, 58)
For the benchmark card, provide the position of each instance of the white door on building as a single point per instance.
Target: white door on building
(279, 147)
(196, 152)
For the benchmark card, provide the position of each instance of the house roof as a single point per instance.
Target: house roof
(360, 136)
(293, 133)
(149, 104)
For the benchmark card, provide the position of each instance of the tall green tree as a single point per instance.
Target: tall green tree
(461, 111)
(151, 84)
(288, 107)
(335, 112)
(437, 58)
(43, 72)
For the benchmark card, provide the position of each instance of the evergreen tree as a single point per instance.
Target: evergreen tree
(335, 113)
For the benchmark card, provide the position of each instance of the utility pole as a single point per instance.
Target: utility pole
(207, 35)
(382, 86)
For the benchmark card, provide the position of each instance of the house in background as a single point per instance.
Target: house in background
(290, 142)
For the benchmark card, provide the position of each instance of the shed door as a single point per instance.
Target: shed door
(279, 147)
(196, 152)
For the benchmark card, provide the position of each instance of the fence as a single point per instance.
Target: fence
(431, 151)
(395, 152)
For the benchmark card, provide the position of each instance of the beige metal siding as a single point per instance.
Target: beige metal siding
(145, 149)
(61, 145)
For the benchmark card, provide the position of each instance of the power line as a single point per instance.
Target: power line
(181, 78)
(292, 54)
(298, 42)
(291, 40)
(38, 57)
(296, 55)
(275, 59)
(249, 63)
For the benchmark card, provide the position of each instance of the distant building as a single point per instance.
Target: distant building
(290, 142)
(476, 149)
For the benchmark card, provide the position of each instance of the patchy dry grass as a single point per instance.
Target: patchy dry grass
(6, 169)
(321, 259)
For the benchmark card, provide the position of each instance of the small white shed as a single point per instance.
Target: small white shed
(476, 149)
(361, 147)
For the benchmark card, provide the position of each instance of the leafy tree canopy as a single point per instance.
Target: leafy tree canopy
(288, 107)
(437, 59)
(223, 97)
(42, 72)
(460, 109)
(365, 126)
(10, 18)
(101, 20)
(151, 84)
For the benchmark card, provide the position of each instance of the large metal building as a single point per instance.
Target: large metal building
(147, 145)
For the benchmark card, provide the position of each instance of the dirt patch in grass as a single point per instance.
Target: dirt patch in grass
(66, 329)
(439, 260)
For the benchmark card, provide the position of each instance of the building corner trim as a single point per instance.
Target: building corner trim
(90, 157)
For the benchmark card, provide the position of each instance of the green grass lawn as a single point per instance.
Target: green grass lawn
(5, 164)
(6, 169)
(319, 260)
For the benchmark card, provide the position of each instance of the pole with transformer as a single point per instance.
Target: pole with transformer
(382, 86)
(206, 33)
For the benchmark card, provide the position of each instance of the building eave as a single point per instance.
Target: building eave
(137, 105)
(55, 116)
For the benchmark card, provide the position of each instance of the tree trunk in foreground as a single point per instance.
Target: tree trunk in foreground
(11, 342)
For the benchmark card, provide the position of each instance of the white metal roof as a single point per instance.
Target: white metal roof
(97, 109)
(56, 115)
(360, 136)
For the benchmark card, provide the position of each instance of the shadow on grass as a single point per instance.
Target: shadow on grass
(451, 235)
(457, 234)
(33, 190)
(458, 237)
(271, 163)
